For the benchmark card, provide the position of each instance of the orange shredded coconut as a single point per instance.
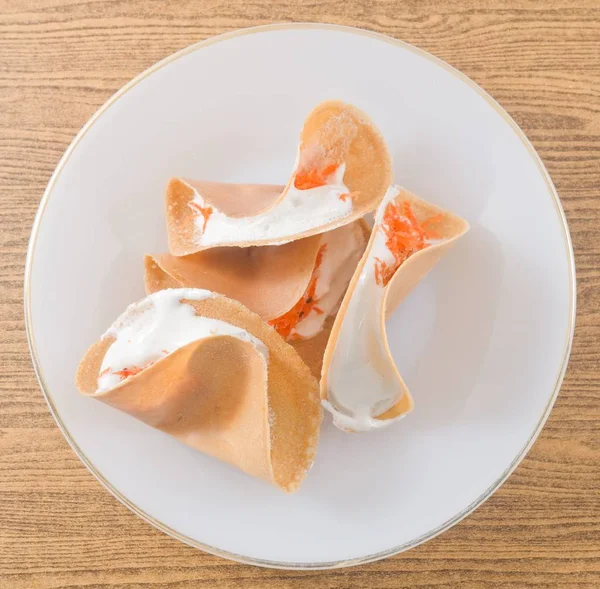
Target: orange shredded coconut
(285, 324)
(404, 235)
(206, 212)
(383, 272)
(127, 372)
(313, 177)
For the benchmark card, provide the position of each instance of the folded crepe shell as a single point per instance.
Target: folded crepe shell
(268, 280)
(360, 384)
(341, 173)
(211, 373)
(295, 287)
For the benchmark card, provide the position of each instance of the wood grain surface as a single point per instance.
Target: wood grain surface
(61, 59)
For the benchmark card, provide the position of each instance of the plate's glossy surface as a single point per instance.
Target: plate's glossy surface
(482, 343)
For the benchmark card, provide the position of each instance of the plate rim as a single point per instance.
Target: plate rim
(265, 562)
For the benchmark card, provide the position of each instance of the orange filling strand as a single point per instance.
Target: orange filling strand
(285, 324)
(206, 212)
(404, 236)
(313, 177)
(125, 372)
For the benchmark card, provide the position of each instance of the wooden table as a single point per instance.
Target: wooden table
(61, 59)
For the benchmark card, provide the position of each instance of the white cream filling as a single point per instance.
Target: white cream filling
(297, 212)
(361, 381)
(342, 252)
(157, 326)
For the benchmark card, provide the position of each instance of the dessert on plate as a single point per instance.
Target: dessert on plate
(271, 303)
(360, 384)
(206, 370)
(342, 171)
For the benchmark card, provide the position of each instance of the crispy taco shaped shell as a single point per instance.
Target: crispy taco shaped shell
(360, 384)
(268, 280)
(220, 394)
(304, 280)
(342, 171)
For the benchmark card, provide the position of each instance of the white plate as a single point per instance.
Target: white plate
(483, 342)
